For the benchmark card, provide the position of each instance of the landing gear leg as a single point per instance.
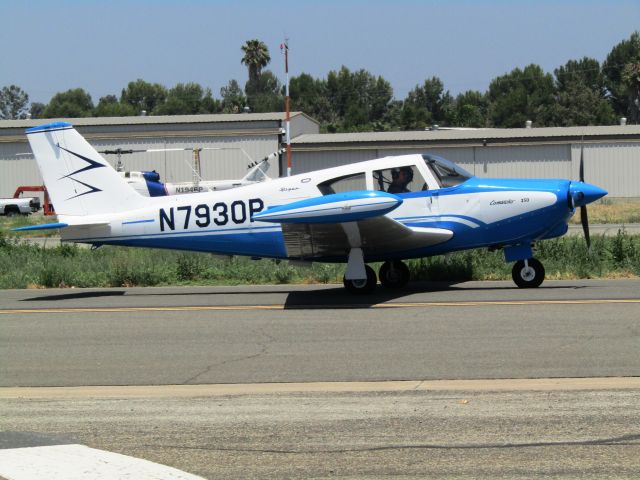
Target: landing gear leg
(361, 286)
(528, 273)
(394, 274)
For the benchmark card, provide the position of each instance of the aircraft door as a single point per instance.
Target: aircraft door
(433, 206)
(432, 198)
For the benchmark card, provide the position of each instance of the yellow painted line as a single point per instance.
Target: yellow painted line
(206, 308)
(144, 309)
(481, 385)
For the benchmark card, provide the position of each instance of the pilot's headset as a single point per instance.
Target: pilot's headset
(396, 172)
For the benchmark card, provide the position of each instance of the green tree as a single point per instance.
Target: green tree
(631, 78)
(309, 95)
(585, 71)
(623, 86)
(471, 109)
(233, 99)
(521, 95)
(427, 104)
(357, 100)
(581, 95)
(267, 97)
(109, 106)
(187, 99)
(256, 57)
(141, 95)
(13, 103)
(73, 103)
(37, 110)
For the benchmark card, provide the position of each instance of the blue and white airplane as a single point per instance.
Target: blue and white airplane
(384, 210)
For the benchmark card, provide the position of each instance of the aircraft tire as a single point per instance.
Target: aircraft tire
(362, 286)
(530, 277)
(396, 277)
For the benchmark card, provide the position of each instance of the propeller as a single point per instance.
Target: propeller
(119, 152)
(584, 219)
(581, 194)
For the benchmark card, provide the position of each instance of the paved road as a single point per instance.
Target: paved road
(265, 334)
(451, 434)
(199, 336)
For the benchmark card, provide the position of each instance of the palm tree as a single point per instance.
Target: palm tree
(256, 57)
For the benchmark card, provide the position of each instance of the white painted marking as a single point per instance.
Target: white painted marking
(463, 221)
(79, 462)
(490, 207)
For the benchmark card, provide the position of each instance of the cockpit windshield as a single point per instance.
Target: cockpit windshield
(446, 172)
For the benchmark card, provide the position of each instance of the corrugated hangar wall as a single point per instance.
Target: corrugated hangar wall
(229, 142)
(230, 162)
(614, 166)
(17, 170)
(612, 163)
(545, 161)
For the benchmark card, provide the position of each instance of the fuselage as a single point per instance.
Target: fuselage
(479, 212)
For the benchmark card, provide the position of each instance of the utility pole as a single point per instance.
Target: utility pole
(285, 47)
(196, 167)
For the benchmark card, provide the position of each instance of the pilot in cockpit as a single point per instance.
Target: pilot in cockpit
(400, 178)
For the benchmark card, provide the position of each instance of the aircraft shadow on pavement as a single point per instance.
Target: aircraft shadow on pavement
(332, 298)
(339, 298)
(76, 296)
(321, 298)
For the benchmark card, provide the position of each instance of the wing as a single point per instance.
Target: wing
(332, 225)
(378, 236)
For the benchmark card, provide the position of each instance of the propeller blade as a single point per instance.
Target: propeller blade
(581, 174)
(584, 219)
(155, 150)
(120, 151)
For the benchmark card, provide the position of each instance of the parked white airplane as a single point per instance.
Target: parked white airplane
(388, 209)
(150, 185)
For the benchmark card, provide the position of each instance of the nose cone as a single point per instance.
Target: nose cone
(585, 193)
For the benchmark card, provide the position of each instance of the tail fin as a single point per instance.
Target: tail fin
(78, 180)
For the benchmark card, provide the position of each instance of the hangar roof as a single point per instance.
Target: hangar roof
(154, 120)
(232, 124)
(492, 135)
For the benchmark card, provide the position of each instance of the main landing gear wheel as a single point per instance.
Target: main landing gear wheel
(528, 273)
(362, 286)
(394, 274)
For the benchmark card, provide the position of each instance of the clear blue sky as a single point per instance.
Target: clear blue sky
(51, 46)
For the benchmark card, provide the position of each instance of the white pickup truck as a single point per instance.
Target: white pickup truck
(19, 206)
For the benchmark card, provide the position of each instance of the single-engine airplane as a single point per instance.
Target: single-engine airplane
(384, 210)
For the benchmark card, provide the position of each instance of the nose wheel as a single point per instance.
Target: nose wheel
(362, 286)
(528, 273)
(394, 274)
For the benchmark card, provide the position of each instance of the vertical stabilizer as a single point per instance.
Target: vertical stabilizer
(78, 180)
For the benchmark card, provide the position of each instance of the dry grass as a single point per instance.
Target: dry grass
(9, 223)
(608, 212)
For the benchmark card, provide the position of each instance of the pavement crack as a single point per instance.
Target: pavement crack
(263, 346)
(622, 440)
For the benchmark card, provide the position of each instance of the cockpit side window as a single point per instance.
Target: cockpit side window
(399, 179)
(447, 173)
(347, 183)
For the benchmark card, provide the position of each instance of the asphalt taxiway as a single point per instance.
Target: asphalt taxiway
(465, 380)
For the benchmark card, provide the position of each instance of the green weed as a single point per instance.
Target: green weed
(29, 266)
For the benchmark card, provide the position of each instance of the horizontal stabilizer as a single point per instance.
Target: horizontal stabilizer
(49, 226)
(334, 208)
(46, 226)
